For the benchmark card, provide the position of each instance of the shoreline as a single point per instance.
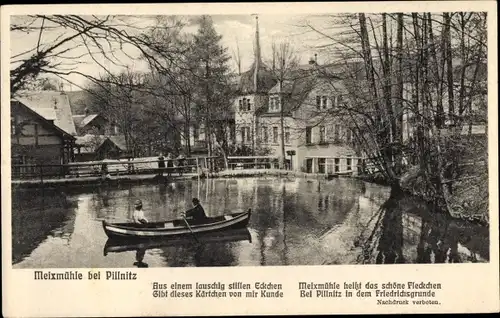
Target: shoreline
(152, 179)
(97, 181)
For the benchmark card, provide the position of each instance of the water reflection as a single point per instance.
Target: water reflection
(139, 257)
(294, 222)
(38, 214)
(410, 231)
(182, 251)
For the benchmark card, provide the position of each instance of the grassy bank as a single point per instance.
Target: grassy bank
(467, 201)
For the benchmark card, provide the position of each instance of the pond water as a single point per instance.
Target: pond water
(294, 222)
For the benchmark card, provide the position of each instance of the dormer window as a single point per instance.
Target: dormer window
(336, 101)
(244, 105)
(321, 102)
(274, 103)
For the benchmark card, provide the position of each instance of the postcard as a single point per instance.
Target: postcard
(249, 158)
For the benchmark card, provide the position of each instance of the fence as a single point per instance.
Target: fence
(333, 165)
(253, 162)
(151, 165)
(113, 167)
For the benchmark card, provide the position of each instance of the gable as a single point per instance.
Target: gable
(51, 105)
(18, 108)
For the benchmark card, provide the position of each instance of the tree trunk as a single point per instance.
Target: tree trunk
(437, 77)
(282, 128)
(398, 105)
(381, 128)
(187, 138)
(390, 137)
(449, 66)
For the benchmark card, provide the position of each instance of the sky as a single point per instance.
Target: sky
(236, 31)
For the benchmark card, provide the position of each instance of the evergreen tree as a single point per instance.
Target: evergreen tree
(211, 71)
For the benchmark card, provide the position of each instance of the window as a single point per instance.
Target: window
(275, 135)
(243, 133)
(322, 134)
(321, 165)
(339, 100)
(349, 136)
(308, 135)
(249, 137)
(336, 133)
(265, 135)
(321, 102)
(244, 104)
(336, 101)
(337, 164)
(232, 133)
(349, 164)
(201, 133)
(196, 133)
(274, 103)
(287, 135)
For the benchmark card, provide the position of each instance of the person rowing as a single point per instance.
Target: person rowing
(196, 215)
(138, 216)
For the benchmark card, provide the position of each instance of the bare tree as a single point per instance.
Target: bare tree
(62, 42)
(237, 57)
(434, 74)
(285, 62)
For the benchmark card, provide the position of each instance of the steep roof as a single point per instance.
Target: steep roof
(47, 122)
(90, 142)
(77, 119)
(88, 119)
(119, 141)
(51, 105)
(78, 101)
(296, 91)
(265, 80)
(287, 87)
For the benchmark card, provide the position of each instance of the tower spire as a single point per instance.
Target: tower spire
(257, 56)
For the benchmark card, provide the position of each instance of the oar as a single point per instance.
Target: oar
(190, 229)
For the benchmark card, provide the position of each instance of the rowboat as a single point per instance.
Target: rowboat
(118, 246)
(174, 228)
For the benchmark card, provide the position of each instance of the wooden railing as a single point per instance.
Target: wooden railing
(112, 167)
(253, 162)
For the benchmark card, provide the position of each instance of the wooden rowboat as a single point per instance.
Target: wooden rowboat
(175, 228)
(229, 236)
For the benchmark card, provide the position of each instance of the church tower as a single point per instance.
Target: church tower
(253, 88)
